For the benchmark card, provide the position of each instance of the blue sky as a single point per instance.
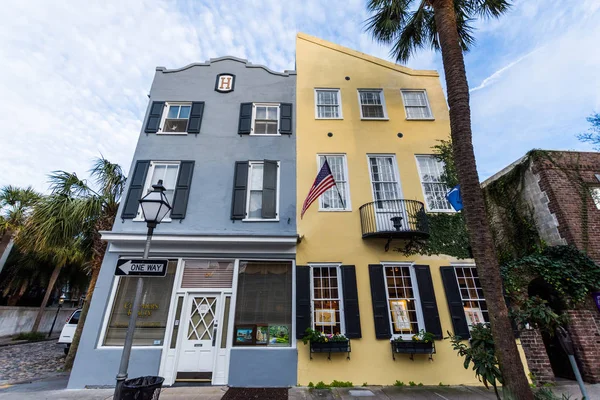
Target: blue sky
(75, 75)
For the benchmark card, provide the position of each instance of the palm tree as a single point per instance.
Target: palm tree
(75, 211)
(15, 204)
(444, 25)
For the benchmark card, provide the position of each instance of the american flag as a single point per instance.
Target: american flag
(323, 181)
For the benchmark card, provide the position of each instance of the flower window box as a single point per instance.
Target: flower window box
(421, 343)
(321, 343)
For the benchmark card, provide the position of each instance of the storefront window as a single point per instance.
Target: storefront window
(263, 312)
(152, 314)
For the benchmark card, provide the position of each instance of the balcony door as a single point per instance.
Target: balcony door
(390, 212)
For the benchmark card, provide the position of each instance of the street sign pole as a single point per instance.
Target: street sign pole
(122, 375)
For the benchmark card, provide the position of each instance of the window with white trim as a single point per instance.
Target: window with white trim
(328, 104)
(327, 312)
(168, 173)
(372, 104)
(265, 119)
(430, 171)
(416, 104)
(403, 303)
(177, 118)
(254, 200)
(471, 293)
(336, 199)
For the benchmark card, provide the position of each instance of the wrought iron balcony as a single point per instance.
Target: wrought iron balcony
(394, 219)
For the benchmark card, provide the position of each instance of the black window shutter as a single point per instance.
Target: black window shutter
(428, 302)
(196, 117)
(136, 186)
(245, 125)
(240, 181)
(457, 311)
(379, 300)
(155, 116)
(303, 319)
(269, 194)
(285, 118)
(350, 294)
(182, 190)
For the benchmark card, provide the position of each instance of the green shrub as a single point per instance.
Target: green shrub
(411, 383)
(341, 384)
(365, 384)
(546, 394)
(420, 384)
(398, 383)
(321, 385)
(311, 385)
(31, 336)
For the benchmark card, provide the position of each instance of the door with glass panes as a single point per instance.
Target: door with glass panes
(389, 209)
(199, 337)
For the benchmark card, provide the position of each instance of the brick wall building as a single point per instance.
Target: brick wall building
(562, 190)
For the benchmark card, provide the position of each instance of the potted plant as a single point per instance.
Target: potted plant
(420, 343)
(326, 343)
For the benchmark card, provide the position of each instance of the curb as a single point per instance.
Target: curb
(18, 342)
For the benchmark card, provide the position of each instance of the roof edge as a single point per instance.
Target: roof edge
(366, 57)
(226, 58)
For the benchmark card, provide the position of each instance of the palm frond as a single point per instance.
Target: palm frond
(110, 178)
(410, 29)
(68, 184)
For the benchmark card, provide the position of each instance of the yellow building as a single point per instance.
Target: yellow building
(375, 122)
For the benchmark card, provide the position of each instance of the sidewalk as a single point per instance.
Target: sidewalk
(53, 389)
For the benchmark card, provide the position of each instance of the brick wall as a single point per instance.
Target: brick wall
(586, 340)
(559, 181)
(537, 358)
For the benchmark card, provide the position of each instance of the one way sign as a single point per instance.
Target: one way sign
(129, 267)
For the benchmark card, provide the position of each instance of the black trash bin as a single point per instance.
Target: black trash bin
(142, 388)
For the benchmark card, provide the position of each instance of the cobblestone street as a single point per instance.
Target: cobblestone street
(28, 361)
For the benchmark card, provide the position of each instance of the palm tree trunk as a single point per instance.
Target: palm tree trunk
(515, 381)
(70, 359)
(5, 241)
(53, 278)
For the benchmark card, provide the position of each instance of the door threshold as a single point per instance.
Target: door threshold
(191, 382)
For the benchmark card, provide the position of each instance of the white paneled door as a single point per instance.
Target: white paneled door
(197, 350)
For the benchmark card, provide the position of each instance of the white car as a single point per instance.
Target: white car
(68, 331)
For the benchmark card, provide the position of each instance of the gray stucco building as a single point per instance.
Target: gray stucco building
(221, 137)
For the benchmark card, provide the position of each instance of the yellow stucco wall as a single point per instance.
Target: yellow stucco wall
(336, 236)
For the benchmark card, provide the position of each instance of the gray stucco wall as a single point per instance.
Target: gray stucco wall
(218, 146)
(263, 368)
(99, 367)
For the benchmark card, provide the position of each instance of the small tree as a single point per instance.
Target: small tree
(481, 354)
(593, 134)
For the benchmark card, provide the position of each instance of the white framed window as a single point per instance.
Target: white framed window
(175, 118)
(167, 171)
(326, 299)
(384, 178)
(471, 293)
(332, 199)
(254, 198)
(328, 104)
(416, 104)
(265, 119)
(404, 305)
(372, 104)
(434, 190)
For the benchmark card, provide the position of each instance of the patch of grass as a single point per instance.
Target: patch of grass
(311, 385)
(341, 384)
(31, 336)
(398, 383)
(411, 383)
(546, 394)
(420, 384)
(365, 384)
(322, 385)
(441, 384)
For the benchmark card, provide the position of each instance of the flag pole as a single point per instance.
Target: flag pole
(336, 186)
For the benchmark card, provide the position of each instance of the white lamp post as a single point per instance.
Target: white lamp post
(155, 206)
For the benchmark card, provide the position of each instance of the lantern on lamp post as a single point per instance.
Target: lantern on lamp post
(155, 207)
